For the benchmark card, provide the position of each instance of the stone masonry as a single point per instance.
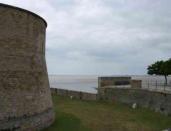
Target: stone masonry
(74, 94)
(157, 101)
(25, 99)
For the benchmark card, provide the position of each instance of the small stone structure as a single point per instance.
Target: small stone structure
(25, 99)
(113, 81)
(118, 82)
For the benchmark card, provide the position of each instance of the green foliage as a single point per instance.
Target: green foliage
(168, 66)
(160, 68)
(64, 122)
(155, 68)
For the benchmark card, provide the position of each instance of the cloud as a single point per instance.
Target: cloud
(103, 36)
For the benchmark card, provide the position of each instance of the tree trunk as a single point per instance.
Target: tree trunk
(165, 79)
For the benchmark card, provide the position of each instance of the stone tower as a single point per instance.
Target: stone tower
(25, 99)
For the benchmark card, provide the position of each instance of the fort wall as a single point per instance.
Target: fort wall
(25, 99)
(74, 94)
(157, 101)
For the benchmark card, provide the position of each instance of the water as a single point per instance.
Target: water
(89, 83)
(75, 83)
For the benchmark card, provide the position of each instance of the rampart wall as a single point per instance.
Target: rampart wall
(74, 94)
(157, 101)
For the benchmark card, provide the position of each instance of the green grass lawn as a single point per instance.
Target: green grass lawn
(76, 115)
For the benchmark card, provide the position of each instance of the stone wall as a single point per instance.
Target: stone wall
(157, 101)
(24, 87)
(74, 94)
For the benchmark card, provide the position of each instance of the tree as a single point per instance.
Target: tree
(160, 68)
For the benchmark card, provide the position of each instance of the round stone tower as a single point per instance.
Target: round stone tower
(25, 99)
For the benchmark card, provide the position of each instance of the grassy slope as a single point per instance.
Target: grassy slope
(76, 115)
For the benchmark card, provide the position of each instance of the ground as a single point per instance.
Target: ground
(76, 115)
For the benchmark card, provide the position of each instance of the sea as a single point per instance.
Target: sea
(85, 83)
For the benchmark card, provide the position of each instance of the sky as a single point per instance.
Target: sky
(103, 37)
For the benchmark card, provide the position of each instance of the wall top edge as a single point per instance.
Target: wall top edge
(24, 10)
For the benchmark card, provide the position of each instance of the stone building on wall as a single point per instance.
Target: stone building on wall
(125, 82)
(25, 99)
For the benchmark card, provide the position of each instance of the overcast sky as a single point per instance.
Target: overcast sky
(103, 37)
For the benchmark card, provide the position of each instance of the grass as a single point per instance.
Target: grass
(76, 115)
